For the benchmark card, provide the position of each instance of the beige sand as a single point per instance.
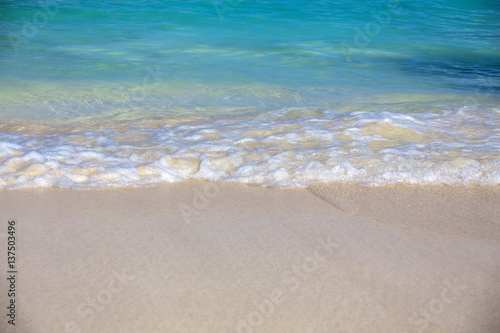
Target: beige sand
(204, 257)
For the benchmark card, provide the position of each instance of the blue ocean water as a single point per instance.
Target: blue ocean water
(277, 93)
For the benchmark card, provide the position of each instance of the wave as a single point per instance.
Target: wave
(283, 148)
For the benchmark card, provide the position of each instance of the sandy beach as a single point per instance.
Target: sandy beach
(216, 257)
(249, 166)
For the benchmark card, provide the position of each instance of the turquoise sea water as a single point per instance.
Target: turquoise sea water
(277, 93)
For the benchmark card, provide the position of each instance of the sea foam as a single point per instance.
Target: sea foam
(283, 148)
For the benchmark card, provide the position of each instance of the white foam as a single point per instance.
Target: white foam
(279, 149)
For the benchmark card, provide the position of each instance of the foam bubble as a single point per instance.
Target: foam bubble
(284, 148)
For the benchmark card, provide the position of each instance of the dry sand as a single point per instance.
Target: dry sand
(205, 257)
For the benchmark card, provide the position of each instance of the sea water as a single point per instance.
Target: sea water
(97, 94)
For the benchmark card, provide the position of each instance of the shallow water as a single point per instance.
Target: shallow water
(278, 93)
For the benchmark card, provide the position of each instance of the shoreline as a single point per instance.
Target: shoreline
(197, 256)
